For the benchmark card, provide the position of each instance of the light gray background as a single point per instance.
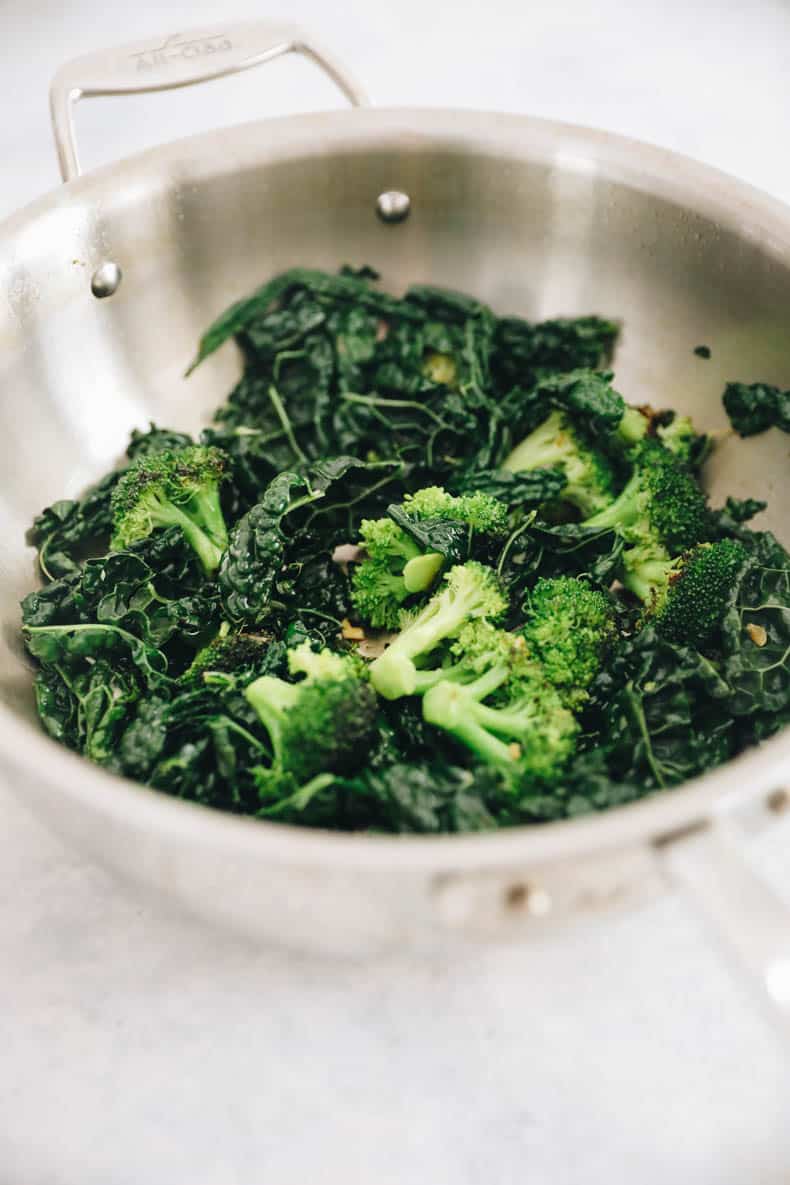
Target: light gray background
(138, 1049)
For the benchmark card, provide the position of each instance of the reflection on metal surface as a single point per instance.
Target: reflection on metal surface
(777, 981)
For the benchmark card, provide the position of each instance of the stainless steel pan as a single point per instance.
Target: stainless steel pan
(536, 217)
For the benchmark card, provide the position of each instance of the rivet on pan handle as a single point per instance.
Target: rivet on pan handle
(180, 59)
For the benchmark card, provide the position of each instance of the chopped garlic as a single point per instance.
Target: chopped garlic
(757, 634)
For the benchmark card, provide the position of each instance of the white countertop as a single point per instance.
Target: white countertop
(136, 1048)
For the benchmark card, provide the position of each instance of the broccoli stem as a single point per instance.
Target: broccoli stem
(394, 674)
(300, 798)
(421, 571)
(547, 445)
(554, 443)
(206, 508)
(478, 688)
(623, 512)
(452, 707)
(633, 426)
(644, 572)
(168, 514)
(271, 698)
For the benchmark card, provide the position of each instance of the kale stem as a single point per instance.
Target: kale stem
(378, 401)
(42, 565)
(282, 416)
(323, 616)
(284, 355)
(638, 713)
(528, 521)
(232, 726)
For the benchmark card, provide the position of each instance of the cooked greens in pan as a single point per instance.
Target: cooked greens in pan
(426, 571)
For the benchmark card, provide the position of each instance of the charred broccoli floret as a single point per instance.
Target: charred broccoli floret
(230, 653)
(322, 724)
(568, 627)
(470, 591)
(686, 598)
(176, 487)
(396, 567)
(497, 702)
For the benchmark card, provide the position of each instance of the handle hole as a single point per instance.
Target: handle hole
(122, 125)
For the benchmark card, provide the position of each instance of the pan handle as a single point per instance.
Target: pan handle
(181, 59)
(709, 865)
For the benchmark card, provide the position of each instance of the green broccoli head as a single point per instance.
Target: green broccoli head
(633, 426)
(496, 700)
(229, 654)
(321, 724)
(470, 591)
(568, 627)
(681, 438)
(686, 598)
(661, 500)
(590, 479)
(479, 510)
(175, 487)
(395, 567)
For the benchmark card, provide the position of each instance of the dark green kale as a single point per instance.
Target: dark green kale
(155, 440)
(755, 407)
(755, 641)
(525, 353)
(660, 713)
(67, 531)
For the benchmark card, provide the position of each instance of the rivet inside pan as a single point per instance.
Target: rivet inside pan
(106, 279)
(393, 205)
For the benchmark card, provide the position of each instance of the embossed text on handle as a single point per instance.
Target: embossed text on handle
(178, 48)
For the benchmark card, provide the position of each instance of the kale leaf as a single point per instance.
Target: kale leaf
(755, 407)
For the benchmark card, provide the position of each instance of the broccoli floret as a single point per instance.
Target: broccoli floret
(479, 510)
(322, 724)
(176, 487)
(235, 654)
(681, 438)
(590, 480)
(661, 502)
(395, 568)
(470, 591)
(686, 598)
(497, 702)
(568, 627)
(633, 426)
